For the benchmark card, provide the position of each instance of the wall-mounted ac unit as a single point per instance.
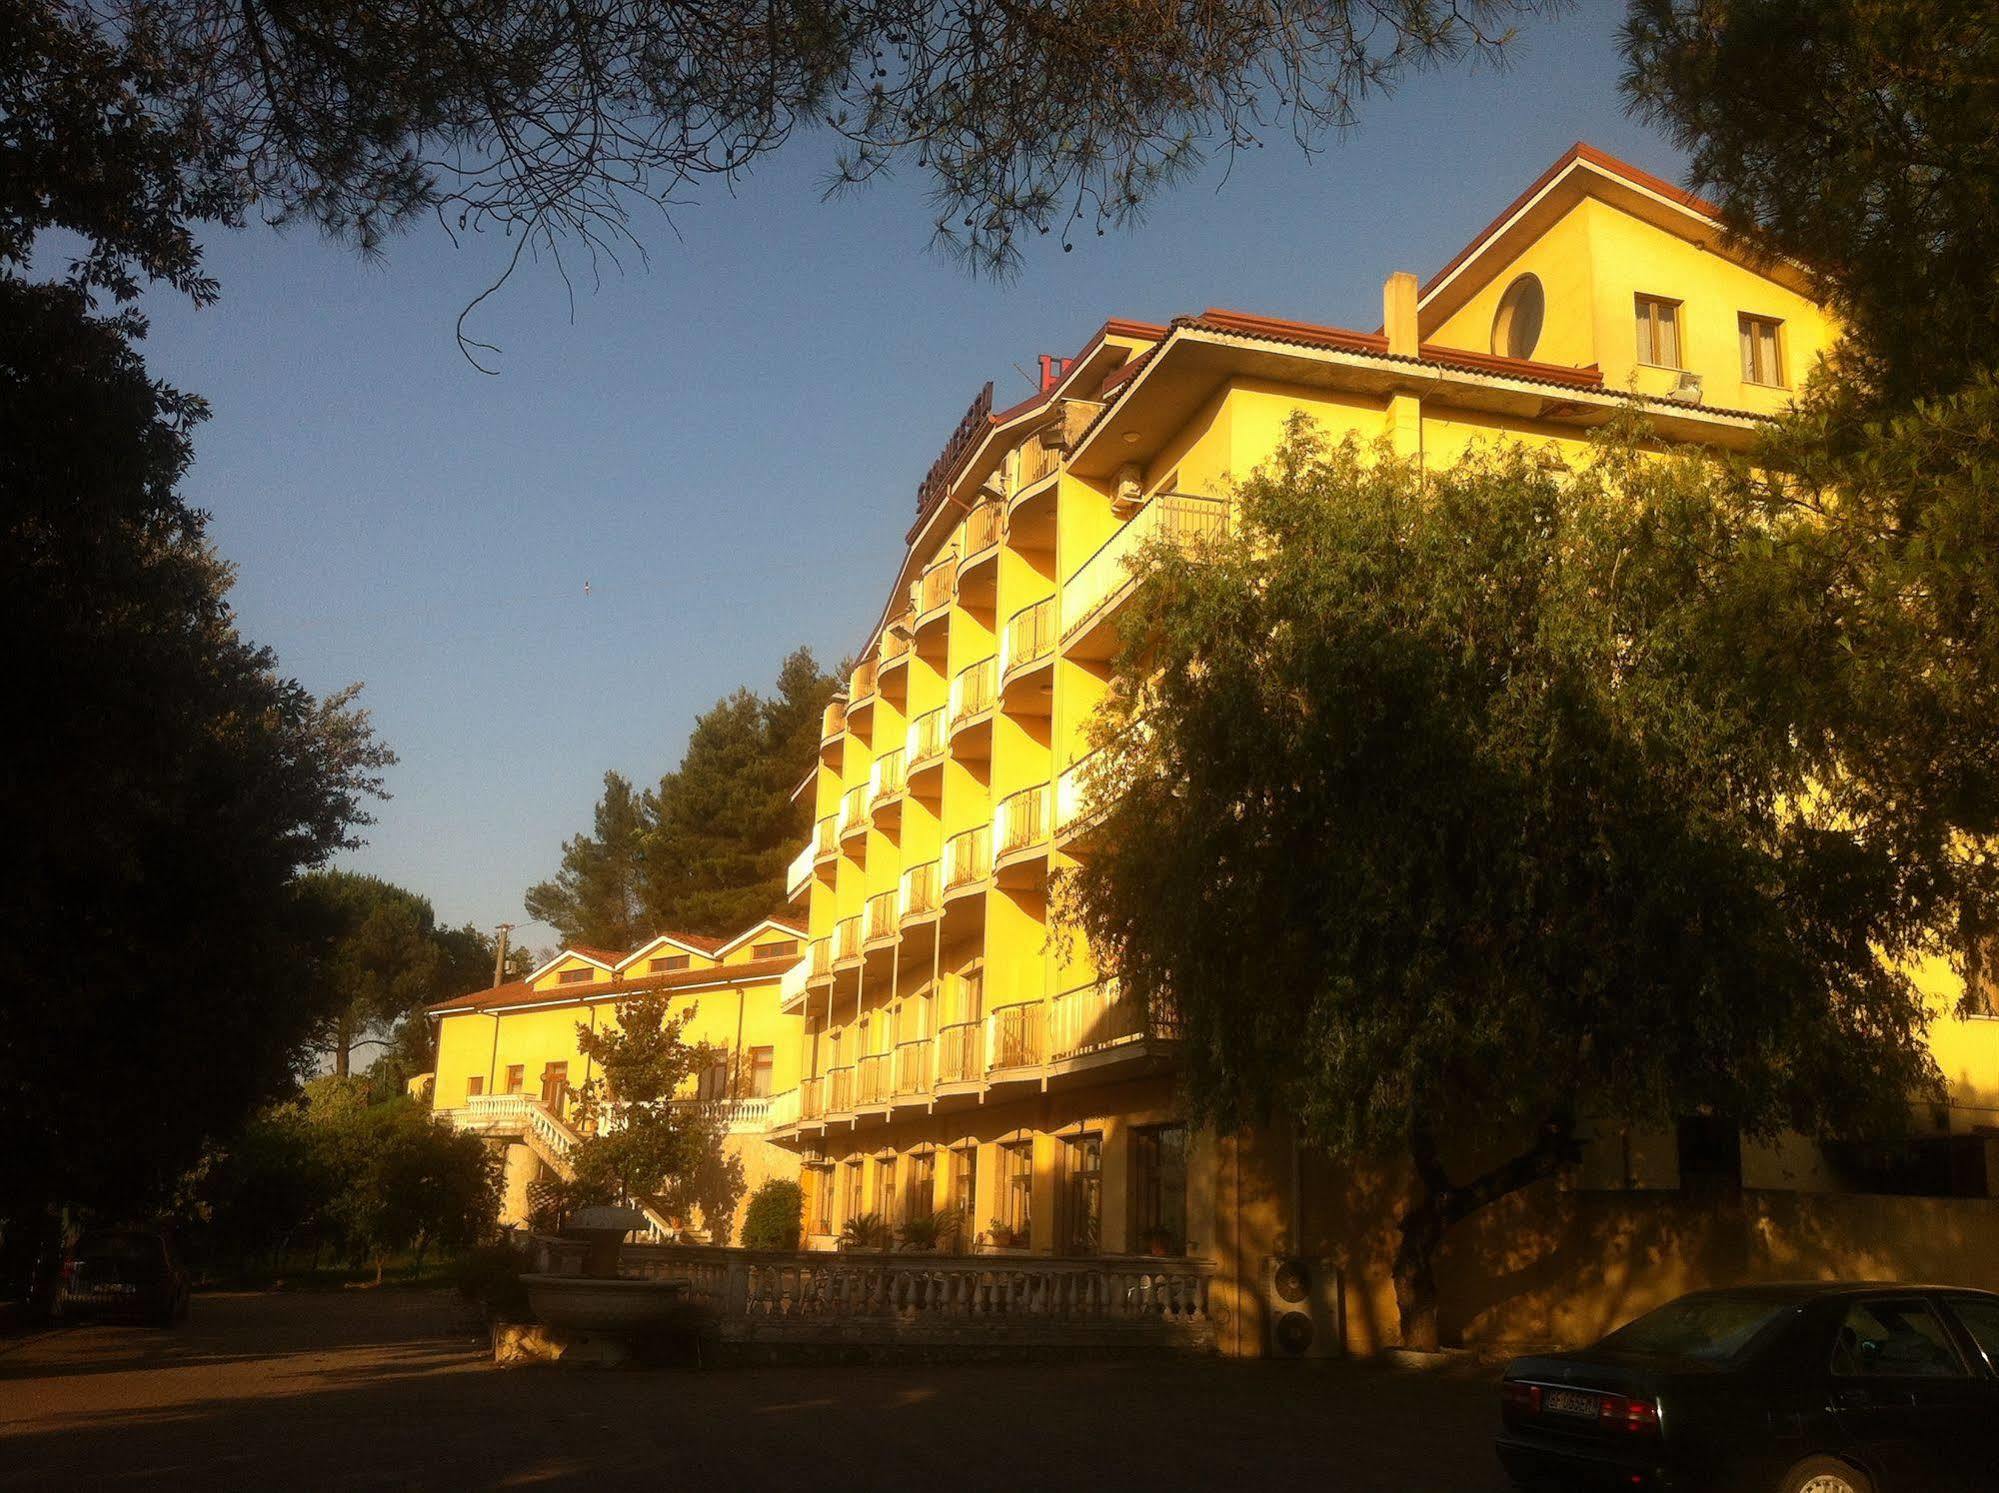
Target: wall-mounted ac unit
(1686, 388)
(1129, 495)
(1303, 1302)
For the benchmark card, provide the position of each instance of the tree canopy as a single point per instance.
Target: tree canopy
(168, 789)
(1498, 800)
(706, 851)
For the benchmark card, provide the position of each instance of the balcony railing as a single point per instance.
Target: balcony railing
(791, 985)
(834, 721)
(885, 778)
(961, 1052)
(934, 588)
(1038, 460)
(895, 638)
(812, 1099)
(983, 527)
(912, 1067)
(1030, 635)
(1023, 819)
(854, 810)
(919, 890)
(798, 875)
(847, 939)
(1014, 1036)
(862, 685)
(968, 857)
(926, 737)
(1184, 521)
(839, 1091)
(1100, 1015)
(783, 1110)
(1074, 790)
(972, 690)
(826, 837)
(820, 957)
(881, 917)
(872, 1079)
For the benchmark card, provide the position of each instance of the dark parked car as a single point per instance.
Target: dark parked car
(128, 1273)
(1770, 1389)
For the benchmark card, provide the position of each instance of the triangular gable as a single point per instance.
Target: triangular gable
(768, 926)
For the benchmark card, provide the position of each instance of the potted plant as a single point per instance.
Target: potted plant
(928, 1233)
(865, 1231)
(1160, 1244)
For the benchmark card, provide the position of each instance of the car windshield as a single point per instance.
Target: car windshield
(129, 1247)
(1714, 1329)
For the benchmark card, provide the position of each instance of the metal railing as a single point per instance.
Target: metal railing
(1074, 790)
(839, 1091)
(1022, 819)
(912, 1067)
(862, 684)
(1030, 635)
(782, 1111)
(820, 956)
(926, 737)
(1180, 519)
(895, 638)
(961, 1052)
(791, 985)
(833, 721)
(934, 588)
(881, 916)
(826, 836)
(968, 856)
(1014, 1036)
(885, 778)
(847, 939)
(972, 690)
(854, 810)
(919, 890)
(984, 526)
(1100, 1015)
(873, 1076)
(812, 1098)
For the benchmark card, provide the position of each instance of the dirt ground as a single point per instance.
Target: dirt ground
(392, 1389)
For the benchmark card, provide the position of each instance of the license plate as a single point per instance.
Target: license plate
(1569, 1402)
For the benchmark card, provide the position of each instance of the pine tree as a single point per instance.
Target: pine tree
(594, 899)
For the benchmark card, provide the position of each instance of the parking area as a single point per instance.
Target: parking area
(370, 1389)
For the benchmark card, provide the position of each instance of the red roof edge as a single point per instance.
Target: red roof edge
(1373, 344)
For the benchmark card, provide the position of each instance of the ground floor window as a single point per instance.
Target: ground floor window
(475, 1086)
(819, 1199)
(965, 1185)
(713, 1082)
(517, 1074)
(757, 1084)
(1082, 1194)
(854, 1207)
(1159, 1190)
(922, 1185)
(554, 1084)
(1014, 1223)
(885, 1198)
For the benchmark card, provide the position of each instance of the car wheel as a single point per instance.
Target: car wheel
(1825, 1475)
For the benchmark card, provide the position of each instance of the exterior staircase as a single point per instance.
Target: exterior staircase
(543, 1132)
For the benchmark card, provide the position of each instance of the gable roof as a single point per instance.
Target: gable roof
(749, 933)
(693, 943)
(604, 959)
(521, 993)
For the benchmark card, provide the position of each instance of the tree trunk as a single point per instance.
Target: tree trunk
(1440, 1204)
(343, 1040)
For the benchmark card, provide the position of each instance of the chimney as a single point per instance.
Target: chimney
(1398, 313)
(1052, 371)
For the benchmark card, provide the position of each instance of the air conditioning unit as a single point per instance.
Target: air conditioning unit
(1303, 1307)
(1686, 389)
(1129, 495)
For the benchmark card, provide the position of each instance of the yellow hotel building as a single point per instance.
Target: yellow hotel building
(938, 1048)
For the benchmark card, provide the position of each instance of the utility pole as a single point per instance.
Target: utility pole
(500, 954)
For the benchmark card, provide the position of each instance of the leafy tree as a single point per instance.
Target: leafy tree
(595, 898)
(1861, 139)
(465, 962)
(775, 1218)
(1458, 811)
(132, 125)
(640, 1144)
(171, 787)
(724, 827)
(384, 959)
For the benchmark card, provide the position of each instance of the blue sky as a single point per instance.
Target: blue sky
(724, 445)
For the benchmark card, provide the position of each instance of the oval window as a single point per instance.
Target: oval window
(1516, 326)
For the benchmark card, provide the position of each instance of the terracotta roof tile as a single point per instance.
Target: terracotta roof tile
(520, 993)
(602, 956)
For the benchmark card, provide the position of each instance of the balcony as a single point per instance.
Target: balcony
(826, 838)
(819, 961)
(886, 782)
(862, 685)
(961, 1054)
(933, 591)
(1022, 822)
(798, 875)
(896, 640)
(874, 1081)
(1102, 582)
(968, 859)
(811, 1099)
(1098, 1019)
(912, 1069)
(1014, 1039)
(839, 1091)
(833, 723)
(791, 985)
(1078, 790)
(881, 919)
(919, 893)
(782, 1113)
(924, 748)
(854, 811)
(972, 694)
(1029, 641)
(846, 940)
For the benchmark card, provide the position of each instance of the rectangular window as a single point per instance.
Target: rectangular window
(574, 976)
(965, 1186)
(1016, 1199)
(475, 1085)
(922, 1199)
(854, 1206)
(887, 1204)
(819, 1199)
(713, 1082)
(667, 962)
(554, 1084)
(972, 993)
(516, 1077)
(1159, 1190)
(1082, 1195)
(1762, 362)
(758, 1076)
(1658, 331)
(776, 949)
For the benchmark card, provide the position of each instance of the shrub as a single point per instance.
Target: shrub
(865, 1231)
(932, 1231)
(776, 1216)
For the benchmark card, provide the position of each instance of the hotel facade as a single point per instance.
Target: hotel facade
(941, 1044)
